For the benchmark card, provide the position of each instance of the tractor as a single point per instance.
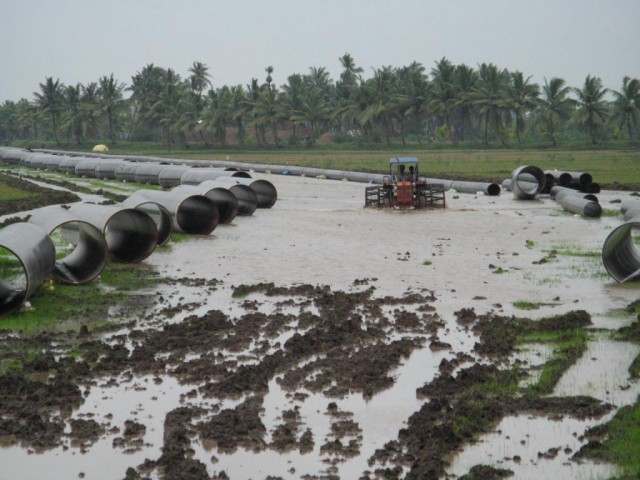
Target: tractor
(404, 188)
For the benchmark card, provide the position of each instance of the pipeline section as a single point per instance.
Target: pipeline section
(89, 254)
(32, 259)
(131, 235)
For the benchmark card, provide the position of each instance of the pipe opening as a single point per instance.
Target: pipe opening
(161, 217)
(247, 199)
(527, 182)
(265, 192)
(13, 281)
(493, 189)
(197, 215)
(621, 252)
(131, 235)
(226, 202)
(81, 252)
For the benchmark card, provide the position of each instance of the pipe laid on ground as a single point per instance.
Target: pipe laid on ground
(247, 198)
(558, 191)
(224, 200)
(106, 169)
(194, 214)
(90, 251)
(195, 176)
(561, 178)
(131, 234)
(265, 191)
(52, 163)
(492, 189)
(146, 172)
(126, 171)
(578, 204)
(521, 184)
(159, 214)
(68, 164)
(87, 167)
(620, 254)
(36, 256)
(171, 175)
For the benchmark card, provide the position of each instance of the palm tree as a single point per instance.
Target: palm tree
(72, 96)
(412, 97)
(626, 106)
(314, 110)
(465, 81)
(239, 110)
(267, 111)
(110, 99)
(444, 95)
(555, 107)
(522, 98)
(383, 89)
(349, 75)
(592, 108)
(488, 96)
(291, 100)
(90, 108)
(199, 78)
(50, 99)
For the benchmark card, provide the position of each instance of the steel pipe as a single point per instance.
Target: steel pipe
(521, 184)
(90, 251)
(33, 256)
(68, 164)
(195, 176)
(52, 163)
(126, 171)
(578, 204)
(171, 175)
(194, 214)
(561, 178)
(630, 208)
(559, 192)
(159, 214)
(87, 167)
(491, 189)
(621, 254)
(265, 191)
(106, 169)
(131, 234)
(224, 200)
(247, 198)
(147, 172)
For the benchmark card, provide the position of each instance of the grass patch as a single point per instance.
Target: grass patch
(60, 306)
(427, 262)
(529, 244)
(576, 252)
(606, 212)
(524, 305)
(618, 442)
(570, 345)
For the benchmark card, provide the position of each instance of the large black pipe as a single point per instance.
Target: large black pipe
(171, 175)
(31, 260)
(224, 200)
(131, 234)
(247, 198)
(195, 176)
(194, 214)
(90, 251)
(159, 214)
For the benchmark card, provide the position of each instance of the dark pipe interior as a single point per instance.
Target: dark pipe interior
(226, 202)
(247, 199)
(131, 236)
(88, 257)
(197, 215)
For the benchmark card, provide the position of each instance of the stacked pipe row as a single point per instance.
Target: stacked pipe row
(128, 232)
(528, 181)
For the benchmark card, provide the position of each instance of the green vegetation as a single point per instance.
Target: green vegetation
(67, 306)
(446, 106)
(569, 347)
(619, 442)
(427, 262)
(529, 244)
(526, 305)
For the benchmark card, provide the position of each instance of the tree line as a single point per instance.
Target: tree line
(449, 104)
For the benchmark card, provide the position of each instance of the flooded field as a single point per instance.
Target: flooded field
(322, 340)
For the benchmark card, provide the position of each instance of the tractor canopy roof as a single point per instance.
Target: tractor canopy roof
(398, 160)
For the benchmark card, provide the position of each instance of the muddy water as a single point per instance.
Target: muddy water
(478, 253)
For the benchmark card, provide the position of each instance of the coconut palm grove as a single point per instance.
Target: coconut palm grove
(445, 105)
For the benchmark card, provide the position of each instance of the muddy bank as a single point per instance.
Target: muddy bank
(36, 196)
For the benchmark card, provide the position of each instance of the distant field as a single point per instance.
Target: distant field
(606, 166)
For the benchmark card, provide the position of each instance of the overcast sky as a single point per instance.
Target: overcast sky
(78, 41)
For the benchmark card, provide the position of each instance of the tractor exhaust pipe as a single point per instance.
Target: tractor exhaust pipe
(90, 251)
(32, 259)
(131, 235)
(194, 214)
